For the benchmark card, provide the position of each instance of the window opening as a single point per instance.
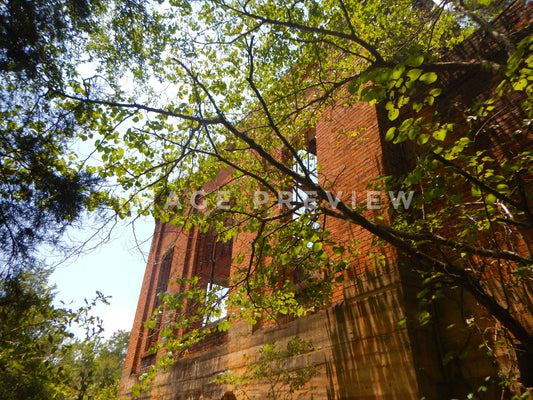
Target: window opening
(213, 268)
(162, 286)
(146, 362)
(301, 194)
(307, 213)
(220, 293)
(218, 283)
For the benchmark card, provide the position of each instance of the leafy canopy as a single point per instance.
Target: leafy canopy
(215, 84)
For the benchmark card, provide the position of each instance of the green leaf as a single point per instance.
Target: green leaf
(285, 259)
(317, 247)
(413, 74)
(412, 132)
(354, 86)
(406, 124)
(423, 139)
(417, 107)
(401, 137)
(440, 134)
(393, 114)
(424, 317)
(415, 61)
(338, 251)
(502, 187)
(224, 325)
(428, 78)
(520, 84)
(398, 71)
(383, 75)
(490, 199)
(390, 134)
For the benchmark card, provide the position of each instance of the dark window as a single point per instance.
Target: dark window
(161, 287)
(146, 362)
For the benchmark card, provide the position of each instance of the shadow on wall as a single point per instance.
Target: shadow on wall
(371, 353)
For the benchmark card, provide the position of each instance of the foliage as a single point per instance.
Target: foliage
(35, 338)
(95, 366)
(230, 83)
(42, 190)
(271, 368)
(45, 186)
(37, 38)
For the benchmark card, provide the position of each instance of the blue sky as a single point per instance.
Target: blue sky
(115, 268)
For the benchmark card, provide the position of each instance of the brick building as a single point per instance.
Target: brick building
(362, 352)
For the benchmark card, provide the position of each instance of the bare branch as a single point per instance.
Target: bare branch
(486, 26)
(137, 106)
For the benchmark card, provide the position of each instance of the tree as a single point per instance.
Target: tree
(111, 358)
(40, 358)
(35, 337)
(42, 191)
(45, 186)
(243, 80)
(94, 366)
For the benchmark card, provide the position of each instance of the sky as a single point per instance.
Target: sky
(115, 268)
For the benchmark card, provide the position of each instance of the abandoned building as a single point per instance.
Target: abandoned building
(361, 350)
